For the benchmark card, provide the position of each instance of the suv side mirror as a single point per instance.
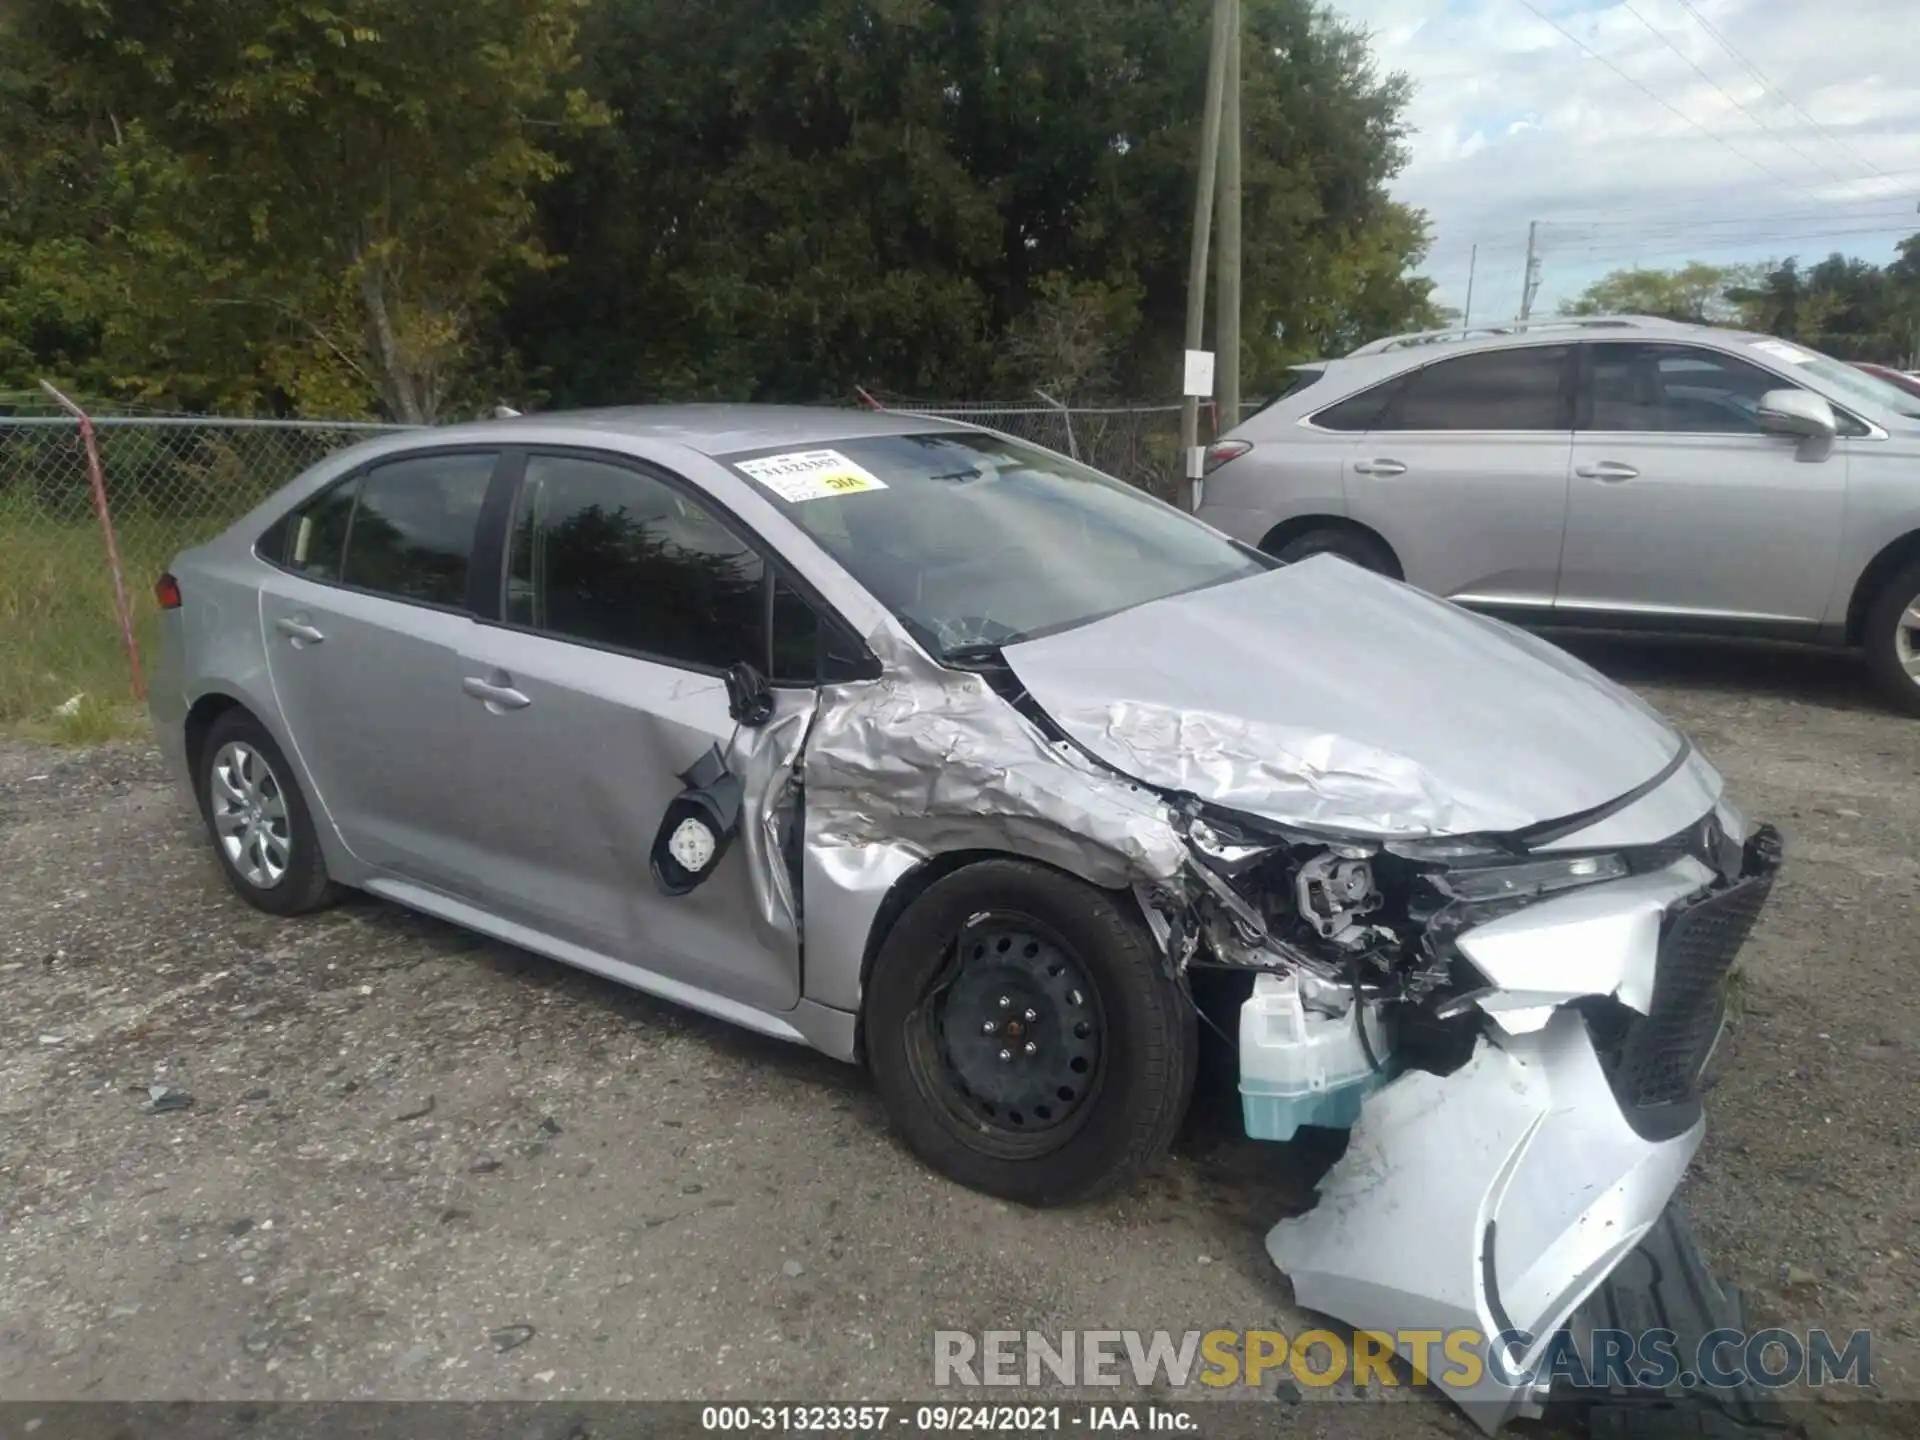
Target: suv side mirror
(1799, 413)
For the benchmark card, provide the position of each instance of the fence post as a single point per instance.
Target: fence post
(1066, 418)
(99, 481)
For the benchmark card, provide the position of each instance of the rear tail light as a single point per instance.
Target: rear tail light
(1221, 451)
(167, 591)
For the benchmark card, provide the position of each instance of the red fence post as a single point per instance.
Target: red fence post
(99, 480)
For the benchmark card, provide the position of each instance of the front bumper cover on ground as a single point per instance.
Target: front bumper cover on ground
(1498, 1198)
(1494, 1199)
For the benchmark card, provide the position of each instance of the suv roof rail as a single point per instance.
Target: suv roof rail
(1517, 327)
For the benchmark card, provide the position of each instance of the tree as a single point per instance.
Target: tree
(302, 202)
(799, 196)
(1696, 294)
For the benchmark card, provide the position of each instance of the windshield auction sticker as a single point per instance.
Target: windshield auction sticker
(810, 475)
(1780, 350)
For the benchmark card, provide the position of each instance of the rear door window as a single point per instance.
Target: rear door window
(413, 530)
(313, 540)
(1362, 411)
(1522, 389)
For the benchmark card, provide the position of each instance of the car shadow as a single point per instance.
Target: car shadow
(1835, 679)
(1266, 1180)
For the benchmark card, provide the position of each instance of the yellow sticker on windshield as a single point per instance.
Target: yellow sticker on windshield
(810, 475)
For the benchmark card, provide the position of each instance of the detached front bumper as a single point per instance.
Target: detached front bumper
(1495, 1199)
(1491, 1200)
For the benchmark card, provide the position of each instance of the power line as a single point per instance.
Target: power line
(1878, 212)
(1592, 53)
(1770, 88)
(1724, 94)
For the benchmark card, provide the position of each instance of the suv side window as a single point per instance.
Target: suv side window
(1521, 389)
(1675, 389)
(610, 556)
(412, 532)
(1362, 411)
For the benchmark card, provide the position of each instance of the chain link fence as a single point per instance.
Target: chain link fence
(1138, 443)
(169, 483)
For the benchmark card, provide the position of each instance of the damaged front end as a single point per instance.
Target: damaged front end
(1515, 1037)
(1489, 902)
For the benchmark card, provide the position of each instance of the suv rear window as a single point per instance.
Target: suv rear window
(1362, 411)
(1523, 389)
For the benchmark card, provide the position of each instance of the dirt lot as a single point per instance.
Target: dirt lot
(405, 1140)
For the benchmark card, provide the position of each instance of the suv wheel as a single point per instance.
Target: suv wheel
(1353, 545)
(1893, 639)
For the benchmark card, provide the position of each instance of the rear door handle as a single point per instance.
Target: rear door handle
(1609, 470)
(298, 631)
(1378, 467)
(497, 697)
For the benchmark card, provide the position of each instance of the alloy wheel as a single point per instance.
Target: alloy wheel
(249, 813)
(1906, 640)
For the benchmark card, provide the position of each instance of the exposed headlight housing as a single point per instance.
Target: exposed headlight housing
(1524, 879)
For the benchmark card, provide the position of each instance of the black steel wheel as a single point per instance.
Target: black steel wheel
(1011, 1037)
(1024, 1034)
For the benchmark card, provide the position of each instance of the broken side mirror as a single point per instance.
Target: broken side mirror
(749, 696)
(699, 825)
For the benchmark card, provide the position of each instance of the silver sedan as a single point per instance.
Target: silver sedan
(946, 755)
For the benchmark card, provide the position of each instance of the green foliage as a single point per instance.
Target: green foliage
(1845, 306)
(947, 199)
(1695, 293)
(359, 207)
(247, 203)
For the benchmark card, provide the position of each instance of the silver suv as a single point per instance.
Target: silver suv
(1618, 472)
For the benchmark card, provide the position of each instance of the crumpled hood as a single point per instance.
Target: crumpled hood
(1322, 695)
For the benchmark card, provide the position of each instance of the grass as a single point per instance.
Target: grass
(59, 635)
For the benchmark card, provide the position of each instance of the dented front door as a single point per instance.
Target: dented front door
(587, 702)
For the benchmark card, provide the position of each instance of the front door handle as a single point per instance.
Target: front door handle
(1378, 467)
(1611, 471)
(298, 631)
(498, 697)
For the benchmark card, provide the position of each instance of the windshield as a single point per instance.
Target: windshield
(1843, 379)
(976, 541)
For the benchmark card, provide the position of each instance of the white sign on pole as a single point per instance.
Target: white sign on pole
(1199, 373)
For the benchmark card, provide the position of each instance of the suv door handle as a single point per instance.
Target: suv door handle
(298, 631)
(1378, 467)
(1608, 470)
(497, 697)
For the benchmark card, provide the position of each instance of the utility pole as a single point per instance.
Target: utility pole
(1473, 264)
(1226, 320)
(1202, 220)
(1531, 285)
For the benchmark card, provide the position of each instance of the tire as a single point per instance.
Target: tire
(256, 816)
(1362, 549)
(1888, 634)
(1098, 1044)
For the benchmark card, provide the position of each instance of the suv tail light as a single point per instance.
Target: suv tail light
(166, 590)
(1221, 451)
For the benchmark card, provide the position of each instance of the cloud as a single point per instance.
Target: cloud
(1514, 123)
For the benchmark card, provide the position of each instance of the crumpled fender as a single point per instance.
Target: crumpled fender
(928, 761)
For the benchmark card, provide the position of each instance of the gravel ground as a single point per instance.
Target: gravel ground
(422, 1165)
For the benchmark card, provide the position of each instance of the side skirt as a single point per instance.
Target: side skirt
(808, 1023)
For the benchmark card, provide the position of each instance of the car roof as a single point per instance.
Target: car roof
(727, 429)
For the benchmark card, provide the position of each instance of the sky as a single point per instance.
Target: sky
(1795, 130)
